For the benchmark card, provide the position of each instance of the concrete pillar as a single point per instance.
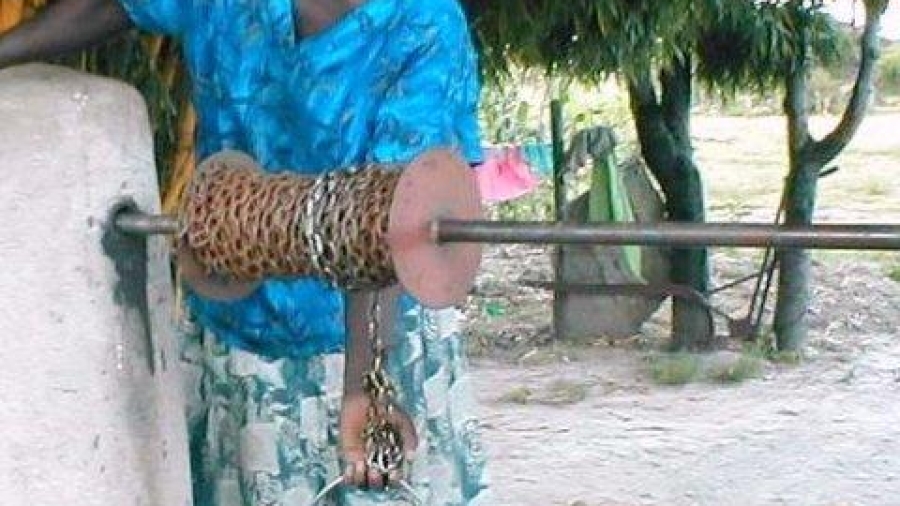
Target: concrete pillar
(91, 410)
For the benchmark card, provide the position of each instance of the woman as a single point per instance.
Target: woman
(310, 86)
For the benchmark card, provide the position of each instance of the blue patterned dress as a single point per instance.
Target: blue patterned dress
(387, 81)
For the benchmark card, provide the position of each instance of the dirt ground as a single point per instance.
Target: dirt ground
(587, 424)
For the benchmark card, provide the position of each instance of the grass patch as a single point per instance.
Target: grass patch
(786, 357)
(894, 273)
(518, 395)
(885, 261)
(751, 166)
(876, 189)
(720, 367)
(766, 350)
(557, 393)
(747, 366)
(563, 392)
(538, 356)
(674, 369)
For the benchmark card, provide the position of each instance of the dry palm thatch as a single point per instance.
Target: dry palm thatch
(153, 65)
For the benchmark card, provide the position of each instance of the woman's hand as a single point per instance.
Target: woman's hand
(354, 417)
(355, 407)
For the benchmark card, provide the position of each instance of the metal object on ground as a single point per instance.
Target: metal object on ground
(137, 223)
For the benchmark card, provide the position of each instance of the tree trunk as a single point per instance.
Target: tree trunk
(690, 266)
(663, 126)
(791, 327)
(807, 158)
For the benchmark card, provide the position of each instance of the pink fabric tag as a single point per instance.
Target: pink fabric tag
(505, 175)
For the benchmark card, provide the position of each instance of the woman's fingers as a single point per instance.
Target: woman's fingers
(355, 473)
(376, 480)
(394, 478)
(408, 435)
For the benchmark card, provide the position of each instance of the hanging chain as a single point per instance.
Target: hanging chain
(383, 442)
(384, 445)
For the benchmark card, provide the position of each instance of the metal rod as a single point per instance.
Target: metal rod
(138, 223)
(748, 235)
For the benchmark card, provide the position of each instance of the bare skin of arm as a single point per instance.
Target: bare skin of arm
(355, 403)
(62, 27)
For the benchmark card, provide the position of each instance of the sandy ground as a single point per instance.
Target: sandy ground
(587, 425)
(597, 429)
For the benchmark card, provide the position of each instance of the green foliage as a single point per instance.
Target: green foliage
(494, 308)
(518, 395)
(766, 348)
(515, 109)
(735, 43)
(894, 273)
(563, 392)
(587, 38)
(536, 206)
(721, 367)
(754, 45)
(786, 357)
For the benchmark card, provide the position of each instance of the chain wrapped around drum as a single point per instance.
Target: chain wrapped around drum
(366, 227)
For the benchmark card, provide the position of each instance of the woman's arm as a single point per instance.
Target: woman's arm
(432, 104)
(359, 346)
(63, 26)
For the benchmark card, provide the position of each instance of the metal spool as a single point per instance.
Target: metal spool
(365, 228)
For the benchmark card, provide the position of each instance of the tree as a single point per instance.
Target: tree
(808, 157)
(642, 41)
(661, 50)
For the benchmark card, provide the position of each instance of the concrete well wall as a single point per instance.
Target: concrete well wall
(91, 412)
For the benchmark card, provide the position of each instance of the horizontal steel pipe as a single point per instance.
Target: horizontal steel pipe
(856, 237)
(749, 235)
(138, 223)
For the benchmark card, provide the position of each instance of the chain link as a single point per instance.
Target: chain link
(384, 444)
(383, 441)
(248, 225)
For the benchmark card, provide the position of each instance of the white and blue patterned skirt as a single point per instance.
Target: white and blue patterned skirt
(265, 432)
